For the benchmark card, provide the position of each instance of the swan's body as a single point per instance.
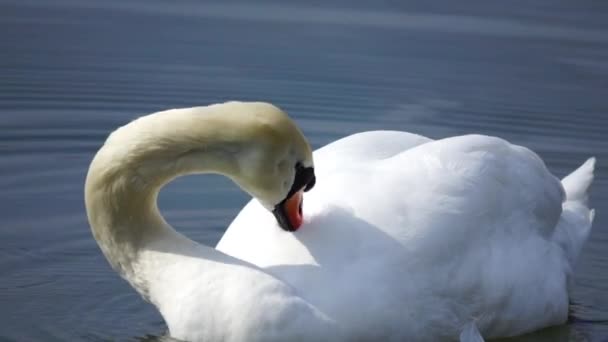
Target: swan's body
(419, 237)
(404, 238)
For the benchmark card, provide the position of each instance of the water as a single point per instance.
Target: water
(535, 73)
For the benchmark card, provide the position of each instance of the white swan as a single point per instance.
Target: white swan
(403, 238)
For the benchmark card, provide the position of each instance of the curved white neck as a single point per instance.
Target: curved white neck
(136, 161)
(244, 142)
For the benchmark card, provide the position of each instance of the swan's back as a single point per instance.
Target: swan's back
(366, 147)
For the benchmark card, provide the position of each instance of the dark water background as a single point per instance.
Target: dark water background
(534, 72)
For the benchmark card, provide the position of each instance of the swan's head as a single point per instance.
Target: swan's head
(255, 144)
(276, 165)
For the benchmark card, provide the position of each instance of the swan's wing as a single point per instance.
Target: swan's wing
(468, 221)
(475, 216)
(465, 182)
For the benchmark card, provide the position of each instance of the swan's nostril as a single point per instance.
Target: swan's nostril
(300, 208)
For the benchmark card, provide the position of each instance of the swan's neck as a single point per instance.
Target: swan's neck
(128, 172)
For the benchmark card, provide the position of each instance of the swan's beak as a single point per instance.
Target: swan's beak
(289, 212)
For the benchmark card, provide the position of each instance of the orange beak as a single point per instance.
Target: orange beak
(289, 212)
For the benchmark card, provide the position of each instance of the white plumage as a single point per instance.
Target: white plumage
(410, 238)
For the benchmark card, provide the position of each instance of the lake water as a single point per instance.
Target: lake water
(533, 72)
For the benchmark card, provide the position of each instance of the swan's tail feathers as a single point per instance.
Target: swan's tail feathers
(577, 183)
(575, 223)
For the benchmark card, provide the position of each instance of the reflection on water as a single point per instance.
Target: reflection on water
(534, 73)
